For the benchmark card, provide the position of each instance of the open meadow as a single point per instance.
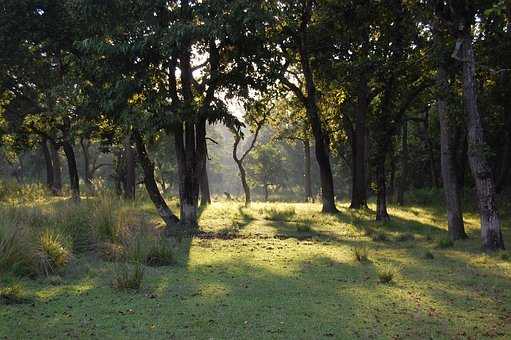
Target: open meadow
(274, 270)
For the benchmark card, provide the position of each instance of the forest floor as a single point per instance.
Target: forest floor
(284, 270)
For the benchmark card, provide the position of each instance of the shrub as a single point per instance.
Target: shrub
(505, 256)
(106, 219)
(160, 253)
(361, 254)
(128, 276)
(445, 243)
(16, 248)
(111, 251)
(75, 221)
(53, 253)
(386, 274)
(428, 255)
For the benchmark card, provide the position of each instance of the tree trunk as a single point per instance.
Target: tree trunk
(431, 151)
(359, 150)
(505, 162)
(448, 162)
(403, 178)
(244, 183)
(381, 198)
(320, 138)
(86, 164)
(163, 209)
(491, 233)
(49, 165)
(266, 192)
(57, 169)
(205, 194)
(188, 182)
(131, 176)
(74, 181)
(307, 171)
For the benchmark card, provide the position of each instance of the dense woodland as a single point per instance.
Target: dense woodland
(252, 144)
(388, 96)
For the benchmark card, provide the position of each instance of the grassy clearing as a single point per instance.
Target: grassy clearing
(275, 270)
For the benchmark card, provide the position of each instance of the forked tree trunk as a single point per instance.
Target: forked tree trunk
(452, 190)
(57, 169)
(491, 233)
(48, 162)
(163, 209)
(307, 170)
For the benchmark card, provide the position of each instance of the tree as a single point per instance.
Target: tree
(459, 18)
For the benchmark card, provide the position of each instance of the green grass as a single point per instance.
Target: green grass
(272, 278)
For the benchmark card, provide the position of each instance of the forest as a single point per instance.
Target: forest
(268, 169)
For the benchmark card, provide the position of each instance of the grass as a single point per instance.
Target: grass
(270, 279)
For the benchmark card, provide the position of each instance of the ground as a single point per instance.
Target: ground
(282, 270)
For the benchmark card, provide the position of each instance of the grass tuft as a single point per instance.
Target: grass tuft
(361, 254)
(386, 274)
(53, 254)
(128, 276)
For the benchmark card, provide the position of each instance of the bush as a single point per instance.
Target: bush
(16, 249)
(128, 276)
(386, 274)
(53, 253)
(75, 221)
(361, 254)
(27, 193)
(445, 243)
(428, 255)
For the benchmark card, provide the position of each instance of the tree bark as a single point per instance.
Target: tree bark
(381, 195)
(307, 170)
(205, 193)
(320, 138)
(163, 209)
(403, 178)
(48, 162)
(86, 164)
(131, 176)
(74, 181)
(452, 190)
(57, 169)
(359, 150)
(491, 233)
